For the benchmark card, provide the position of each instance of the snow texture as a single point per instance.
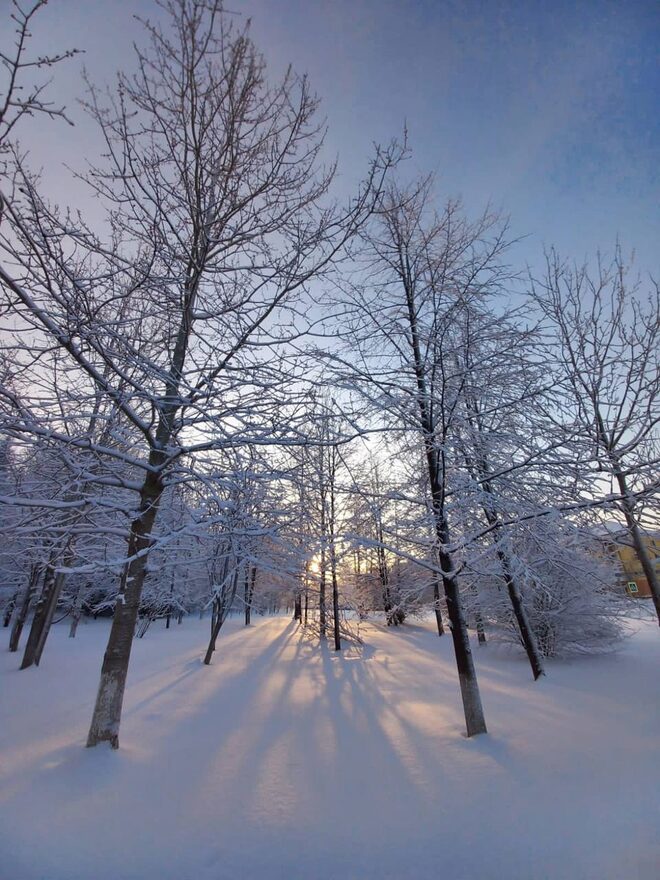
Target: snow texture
(283, 760)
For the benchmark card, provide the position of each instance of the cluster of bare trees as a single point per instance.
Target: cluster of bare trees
(172, 444)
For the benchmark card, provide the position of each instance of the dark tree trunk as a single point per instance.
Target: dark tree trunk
(38, 616)
(110, 696)
(76, 611)
(21, 617)
(45, 612)
(479, 620)
(246, 596)
(335, 602)
(43, 617)
(170, 603)
(467, 676)
(527, 635)
(249, 592)
(474, 717)
(222, 609)
(436, 606)
(322, 614)
(9, 610)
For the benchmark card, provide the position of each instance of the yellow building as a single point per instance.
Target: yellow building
(635, 581)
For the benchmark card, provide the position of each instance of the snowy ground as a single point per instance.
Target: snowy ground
(282, 760)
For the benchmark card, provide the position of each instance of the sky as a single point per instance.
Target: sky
(546, 110)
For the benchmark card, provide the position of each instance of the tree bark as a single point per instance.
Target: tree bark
(474, 716)
(110, 696)
(48, 619)
(9, 610)
(322, 576)
(222, 610)
(527, 634)
(76, 611)
(19, 623)
(335, 600)
(246, 596)
(479, 620)
(249, 593)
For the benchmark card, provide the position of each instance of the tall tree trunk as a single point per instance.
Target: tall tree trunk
(322, 576)
(110, 696)
(467, 676)
(21, 617)
(474, 716)
(335, 599)
(246, 596)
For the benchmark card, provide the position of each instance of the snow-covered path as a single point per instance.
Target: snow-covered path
(283, 760)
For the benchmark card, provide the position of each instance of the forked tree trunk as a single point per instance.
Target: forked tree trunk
(50, 613)
(110, 696)
(222, 609)
(9, 610)
(38, 616)
(21, 617)
(44, 613)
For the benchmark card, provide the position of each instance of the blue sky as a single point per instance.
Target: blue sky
(549, 110)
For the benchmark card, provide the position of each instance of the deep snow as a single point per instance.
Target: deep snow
(283, 760)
